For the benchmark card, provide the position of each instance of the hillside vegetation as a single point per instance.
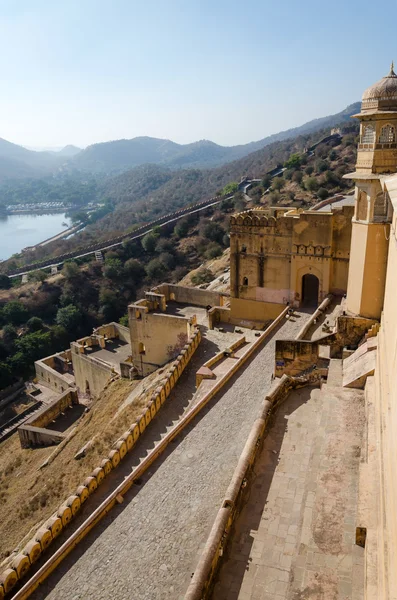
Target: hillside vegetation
(43, 317)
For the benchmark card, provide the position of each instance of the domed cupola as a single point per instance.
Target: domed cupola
(382, 96)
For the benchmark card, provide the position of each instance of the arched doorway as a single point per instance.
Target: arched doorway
(310, 286)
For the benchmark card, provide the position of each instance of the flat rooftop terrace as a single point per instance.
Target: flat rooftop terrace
(187, 310)
(116, 351)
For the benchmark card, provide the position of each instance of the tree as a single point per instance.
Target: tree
(155, 269)
(230, 188)
(309, 170)
(113, 268)
(149, 242)
(39, 276)
(322, 193)
(5, 282)
(311, 184)
(80, 217)
(35, 324)
(213, 250)
(10, 334)
(168, 260)
(124, 320)
(134, 270)
(6, 376)
(14, 312)
(34, 346)
(181, 228)
(164, 245)
(321, 166)
(266, 182)
(202, 276)
(297, 177)
(110, 304)
(71, 271)
(278, 184)
(213, 231)
(293, 162)
(69, 317)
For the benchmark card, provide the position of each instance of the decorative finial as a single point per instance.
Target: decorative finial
(392, 73)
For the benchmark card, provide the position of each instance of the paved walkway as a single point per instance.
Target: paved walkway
(148, 547)
(295, 536)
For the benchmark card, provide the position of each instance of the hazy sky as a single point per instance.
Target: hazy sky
(85, 71)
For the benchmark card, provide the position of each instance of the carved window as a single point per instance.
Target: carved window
(368, 136)
(245, 280)
(387, 134)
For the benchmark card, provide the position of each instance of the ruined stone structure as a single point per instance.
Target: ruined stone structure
(280, 256)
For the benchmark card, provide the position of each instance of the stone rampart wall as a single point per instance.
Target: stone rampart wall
(19, 564)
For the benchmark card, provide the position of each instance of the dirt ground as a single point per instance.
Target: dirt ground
(29, 495)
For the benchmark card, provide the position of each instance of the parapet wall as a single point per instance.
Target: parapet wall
(19, 564)
(202, 581)
(34, 433)
(190, 295)
(91, 375)
(50, 371)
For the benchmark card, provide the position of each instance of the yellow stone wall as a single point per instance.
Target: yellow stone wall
(386, 398)
(269, 257)
(367, 271)
(156, 338)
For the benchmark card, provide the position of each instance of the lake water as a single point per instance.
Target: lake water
(20, 231)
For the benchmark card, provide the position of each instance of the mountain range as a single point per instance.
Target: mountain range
(110, 158)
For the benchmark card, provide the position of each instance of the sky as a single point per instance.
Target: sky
(87, 71)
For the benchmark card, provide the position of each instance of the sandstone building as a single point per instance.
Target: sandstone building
(280, 256)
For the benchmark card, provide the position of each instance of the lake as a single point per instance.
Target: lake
(20, 231)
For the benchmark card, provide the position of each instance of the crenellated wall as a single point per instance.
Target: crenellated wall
(272, 251)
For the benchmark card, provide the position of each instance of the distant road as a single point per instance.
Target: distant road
(113, 242)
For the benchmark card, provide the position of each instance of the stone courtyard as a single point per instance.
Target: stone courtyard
(295, 537)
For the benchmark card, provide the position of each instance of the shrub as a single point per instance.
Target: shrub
(322, 193)
(230, 188)
(213, 250)
(202, 276)
(311, 184)
(181, 228)
(293, 162)
(5, 282)
(14, 312)
(69, 317)
(149, 242)
(35, 324)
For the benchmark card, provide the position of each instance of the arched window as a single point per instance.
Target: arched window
(368, 136)
(245, 280)
(243, 248)
(141, 348)
(387, 134)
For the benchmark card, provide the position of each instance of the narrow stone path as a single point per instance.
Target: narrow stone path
(295, 537)
(147, 548)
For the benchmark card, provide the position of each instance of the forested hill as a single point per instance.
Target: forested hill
(122, 155)
(111, 158)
